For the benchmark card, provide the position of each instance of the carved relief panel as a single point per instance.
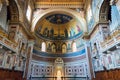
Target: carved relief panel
(13, 29)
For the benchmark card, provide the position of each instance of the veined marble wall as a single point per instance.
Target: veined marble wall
(10, 60)
(41, 69)
(115, 14)
(76, 70)
(108, 61)
(95, 45)
(104, 59)
(45, 69)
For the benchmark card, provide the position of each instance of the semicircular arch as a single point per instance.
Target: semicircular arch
(72, 12)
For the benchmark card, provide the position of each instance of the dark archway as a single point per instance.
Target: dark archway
(105, 11)
(12, 11)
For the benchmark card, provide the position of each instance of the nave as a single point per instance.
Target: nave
(59, 39)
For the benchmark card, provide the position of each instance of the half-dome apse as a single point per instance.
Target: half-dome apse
(58, 26)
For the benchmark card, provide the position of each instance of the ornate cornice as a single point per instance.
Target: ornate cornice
(59, 4)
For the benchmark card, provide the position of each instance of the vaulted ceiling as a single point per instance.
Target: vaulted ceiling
(59, 19)
(58, 26)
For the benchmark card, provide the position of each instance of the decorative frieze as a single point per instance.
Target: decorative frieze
(7, 43)
(59, 4)
(112, 41)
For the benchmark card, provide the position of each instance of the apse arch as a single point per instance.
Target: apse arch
(19, 11)
(96, 5)
(16, 4)
(67, 27)
(9, 12)
(68, 11)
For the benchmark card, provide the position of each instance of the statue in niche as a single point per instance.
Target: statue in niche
(8, 59)
(12, 35)
(12, 32)
(14, 62)
(109, 59)
(117, 57)
(22, 48)
(66, 33)
(19, 43)
(20, 63)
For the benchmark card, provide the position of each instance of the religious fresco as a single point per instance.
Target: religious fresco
(59, 18)
(59, 46)
(59, 27)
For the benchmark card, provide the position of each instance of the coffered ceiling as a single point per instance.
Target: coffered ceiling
(59, 3)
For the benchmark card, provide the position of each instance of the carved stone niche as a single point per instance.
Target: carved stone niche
(59, 68)
(13, 11)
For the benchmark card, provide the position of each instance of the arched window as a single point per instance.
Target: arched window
(74, 47)
(43, 47)
(28, 13)
(53, 48)
(64, 48)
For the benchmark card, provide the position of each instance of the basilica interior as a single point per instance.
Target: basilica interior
(59, 39)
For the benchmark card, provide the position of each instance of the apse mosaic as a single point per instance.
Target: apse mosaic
(59, 27)
(59, 18)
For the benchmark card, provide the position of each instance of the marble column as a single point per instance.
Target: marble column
(27, 69)
(89, 60)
